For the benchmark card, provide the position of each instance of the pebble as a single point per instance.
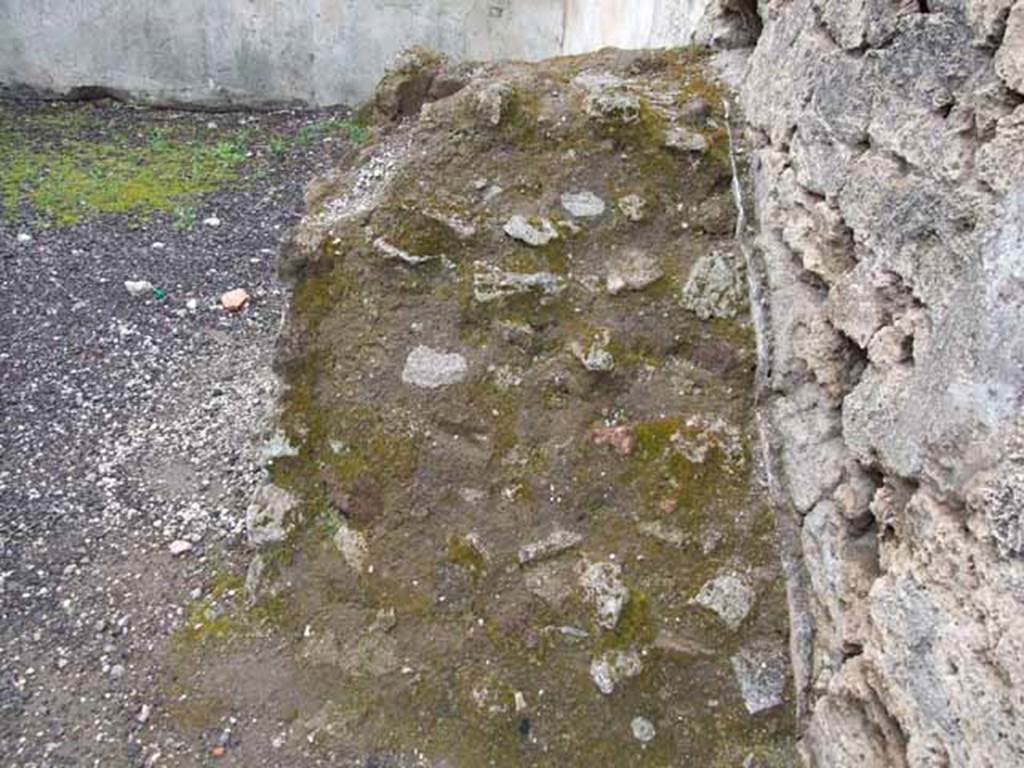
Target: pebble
(643, 729)
(235, 300)
(212, 221)
(117, 672)
(138, 287)
(143, 714)
(520, 701)
(24, 237)
(179, 547)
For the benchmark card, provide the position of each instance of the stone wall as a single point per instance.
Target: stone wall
(889, 177)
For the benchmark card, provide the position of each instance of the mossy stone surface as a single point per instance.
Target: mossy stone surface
(487, 661)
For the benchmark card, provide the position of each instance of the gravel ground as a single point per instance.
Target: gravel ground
(128, 424)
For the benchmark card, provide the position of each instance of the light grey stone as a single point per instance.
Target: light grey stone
(493, 284)
(557, 542)
(633, 270)
(432, 369)
(533, 234)
(389, 251)
(760, 670)
(614, 667)
(602, 584)
(714, 287)
(254, 578)
(492, 102)
(179, 547)
(643, 729)
(583, 205)
(729, 596)
(594, 354)
(685, 140)
(266, 516)
(353, 546)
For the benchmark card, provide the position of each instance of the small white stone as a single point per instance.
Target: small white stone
(24, 237)
(179, 547)
(643, 729)
(520, 700)
(353, 547)
(521, 229)
(212, 221)
(158, 246)
(138, 287)
(431, 369)
(602, 584)
(143, 714)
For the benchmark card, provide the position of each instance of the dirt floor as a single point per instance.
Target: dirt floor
(507, 503)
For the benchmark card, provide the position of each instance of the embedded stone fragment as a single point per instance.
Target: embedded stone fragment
(614, 107)
(713, 288)
(632, 207)
(594, 354)
(685, 140)
(492, 284)
(389, 251)
(492, 102)
(555, 544)
(353, 547)
(610, 669)
(760, 670)
(602, 585)
(533, 234)
(634, 271)
(583, 205)
(266, 514)
(729, 596)
(643, 729)
(621, 438)
(431, 369)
